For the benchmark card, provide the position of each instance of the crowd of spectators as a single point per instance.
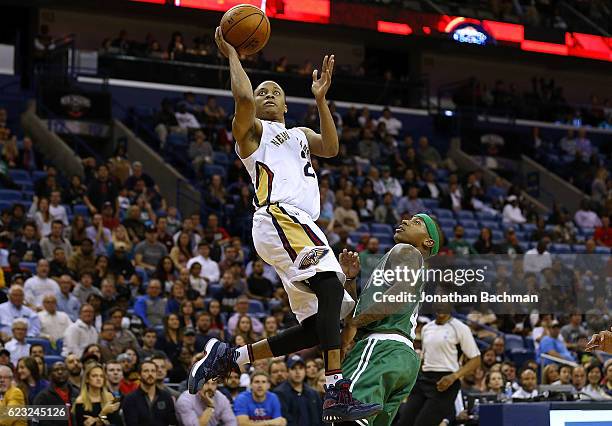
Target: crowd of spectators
(127, 290)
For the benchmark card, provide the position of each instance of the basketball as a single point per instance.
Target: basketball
(246, 27)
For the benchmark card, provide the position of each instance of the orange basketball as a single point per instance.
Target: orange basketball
(246, 27)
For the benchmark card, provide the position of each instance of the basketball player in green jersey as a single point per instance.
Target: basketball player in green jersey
(383, 365)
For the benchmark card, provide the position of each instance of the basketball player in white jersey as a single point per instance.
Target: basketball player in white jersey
(285, 234)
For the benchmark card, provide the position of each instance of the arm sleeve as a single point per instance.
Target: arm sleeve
(214, 277)
(185, 413)
(33, 325)
(69, 344)
(240, 406)
(467, 342)
(130, 413)
(284, 408)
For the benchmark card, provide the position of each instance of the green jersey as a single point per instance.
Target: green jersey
(394, 289)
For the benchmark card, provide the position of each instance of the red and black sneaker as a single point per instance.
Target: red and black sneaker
(340, 406)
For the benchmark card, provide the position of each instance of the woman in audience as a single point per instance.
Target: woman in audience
(270, 327)
(181, 252)
(180, 366)
(76, 191)
(565, 375)
(245, 329)
(550, 374)
(320, 383)
(165, 272)
(312, 373)
(214, 309)
(10, 152)
(593, 389)
(29, 379)
(186, 314)
(484, 244)
(170, 341)
(494, 381)
(101, 271)
(120, 234)
(608, 379)
(77, 230)
(91, 352)
(95, 401)
(42, 217)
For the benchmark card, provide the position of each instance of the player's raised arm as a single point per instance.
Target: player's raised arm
(246, 128)
(326, 143)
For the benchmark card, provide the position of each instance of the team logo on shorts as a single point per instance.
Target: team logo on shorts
(313, 257)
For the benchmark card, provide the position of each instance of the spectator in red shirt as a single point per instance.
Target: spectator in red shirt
(109, 220)
(221, 235)
(603, 233)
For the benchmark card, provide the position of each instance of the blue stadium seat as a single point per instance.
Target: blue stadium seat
(5, 205)
(144, 110)
(560, 248)
(44, 342)
(471, 234)
(497, 235)
(256, 307)
(578, 248)
(521, 356)
(603, 250)
(381, 228)
(464, 214)
(30, 266)
(442, 175)
(513, 341)
(38, 174)
(10, 195)
(469, 223)
(51, 359)
(447, 222)
(220, 158)
(430, 203)
(81, 209)
(214, 169)
(529, 344)
(448, 231)
(19, 174)
(528, 227)
(356, 236)
(489, 224)
(214, 290)
(385, 247)
(364, 227)
(443, 213)
(485, 216)
(175, 139)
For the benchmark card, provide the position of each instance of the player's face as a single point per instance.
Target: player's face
(270, 101)
(413, 232)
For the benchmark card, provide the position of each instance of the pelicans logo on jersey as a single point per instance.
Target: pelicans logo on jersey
(313, 257)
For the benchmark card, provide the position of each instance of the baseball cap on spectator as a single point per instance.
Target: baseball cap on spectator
(555, 323)
(123, 357)
(151, 228)
(512, 198)
(107, 204)
(385, 169)
(189, 331)
(295, 359)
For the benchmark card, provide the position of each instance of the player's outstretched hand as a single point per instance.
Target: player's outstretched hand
(601, 341)
(224, 47)
(321, 81)
(349, 261)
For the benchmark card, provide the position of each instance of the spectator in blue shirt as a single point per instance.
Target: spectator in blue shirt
(66, 301)
(258, 404)
(151, 308)
(553, 346)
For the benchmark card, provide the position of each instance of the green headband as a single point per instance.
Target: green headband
(432, 230)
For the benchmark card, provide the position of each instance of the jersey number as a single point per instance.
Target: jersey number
(308, 170)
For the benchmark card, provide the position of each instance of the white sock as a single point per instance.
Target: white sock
(332, 379)
(243, 355)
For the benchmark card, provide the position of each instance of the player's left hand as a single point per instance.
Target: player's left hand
(349, 262)
(445, 382)
(321, 81)
(601, 341)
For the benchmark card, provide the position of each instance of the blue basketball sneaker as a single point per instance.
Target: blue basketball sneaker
(340, 406)
(218, 362)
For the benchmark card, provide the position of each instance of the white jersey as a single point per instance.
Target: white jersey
(281, 171)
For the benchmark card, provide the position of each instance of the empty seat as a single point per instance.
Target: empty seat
(469, 223)
(214, 169)
(513, 341)
(10, 195)
(447, 222)
(52, 359)
(443, 213)
(489, 224)
(19, 175)
(430, 203)
(560, 248)
(81, 209)
(364, 227)
(220, 158)
(464, 214)
(381, 228)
